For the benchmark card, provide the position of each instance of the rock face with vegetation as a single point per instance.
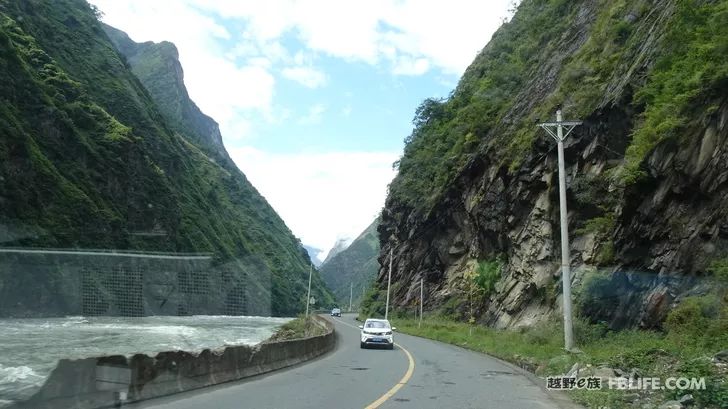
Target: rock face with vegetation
(356, 265)
(158, 68)
(99, 150)
(474, 208)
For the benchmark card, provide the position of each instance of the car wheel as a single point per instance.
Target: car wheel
(361, 344)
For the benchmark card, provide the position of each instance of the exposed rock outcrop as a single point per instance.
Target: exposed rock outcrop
(653, 238)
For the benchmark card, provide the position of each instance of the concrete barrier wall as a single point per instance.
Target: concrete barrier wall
(102, 382)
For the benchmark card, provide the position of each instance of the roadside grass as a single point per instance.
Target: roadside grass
(300, 327)
(684, 350)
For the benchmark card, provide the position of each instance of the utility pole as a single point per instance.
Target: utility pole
(389, 282)
(559, 136)
(351, 294)
(308, 296)
(422, 300)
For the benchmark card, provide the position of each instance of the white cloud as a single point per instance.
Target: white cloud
(237, 129)
(227, 80)
(271, 50)
(447, 35)
(411, 66)
(306, 76)
(224, 90)
(221, 87)
(261, 62)
(314, 115)
(321, 196)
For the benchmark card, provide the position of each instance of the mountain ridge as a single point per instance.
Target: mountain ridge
(85, 144)
(168, 90)
(352, 270)
(338, 247)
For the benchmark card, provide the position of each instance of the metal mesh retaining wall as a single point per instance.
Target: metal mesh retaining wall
(96, 283)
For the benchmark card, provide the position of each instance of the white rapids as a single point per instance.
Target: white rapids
(30, 348)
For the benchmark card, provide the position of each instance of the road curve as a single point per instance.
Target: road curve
(418, 373)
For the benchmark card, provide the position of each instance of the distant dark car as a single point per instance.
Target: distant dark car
(336, 312)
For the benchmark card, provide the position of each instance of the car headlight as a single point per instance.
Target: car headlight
(388, 333)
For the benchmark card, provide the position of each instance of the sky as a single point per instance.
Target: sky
(314, 98)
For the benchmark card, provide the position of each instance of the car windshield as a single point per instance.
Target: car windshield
(376, 324)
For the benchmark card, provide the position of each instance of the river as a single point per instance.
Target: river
(30, 348)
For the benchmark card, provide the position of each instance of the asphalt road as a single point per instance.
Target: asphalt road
(418, 373)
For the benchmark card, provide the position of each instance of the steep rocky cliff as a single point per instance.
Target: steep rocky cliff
(157, 66)
(90, 160)
(647, 172)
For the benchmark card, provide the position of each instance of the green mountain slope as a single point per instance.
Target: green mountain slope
(357, 265)
(647, 171)
(158, 68)
(88, 160)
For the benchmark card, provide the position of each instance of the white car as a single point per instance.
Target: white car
(376, 332)
(336, 312)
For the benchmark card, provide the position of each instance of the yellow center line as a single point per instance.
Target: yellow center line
(410, 370)
(396, 387)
